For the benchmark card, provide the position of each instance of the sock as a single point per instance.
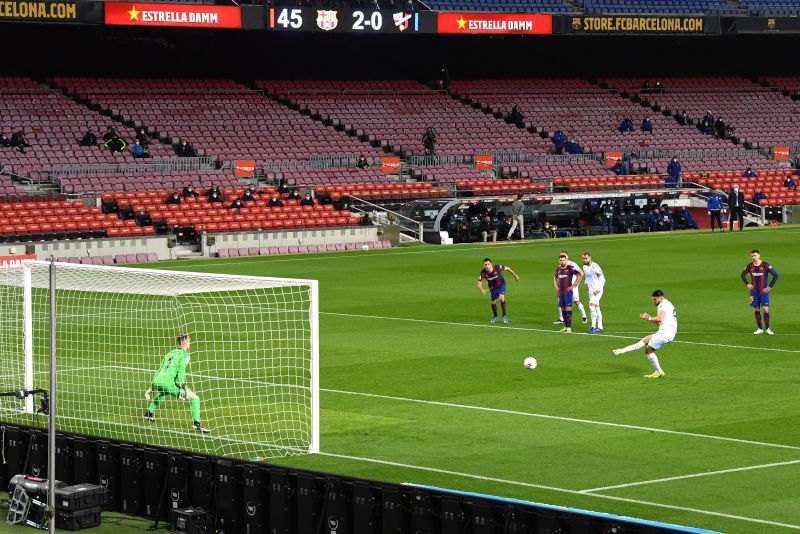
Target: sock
(758, 318)
(156, 402)
(568, 318)
(599, 318)
(560, 314)
(494, 309)
(583, 311)
(593, 313)
(654, 360)
(503, 305)
(636, 346)
(194, 405)
(766, 320)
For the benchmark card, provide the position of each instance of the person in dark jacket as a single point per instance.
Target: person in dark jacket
(237, 204)
(5, 142)
(736, 207)
(516, 116)
(189, 191)
(138, 151)
(759, 196)
(488, 227)
(19, 141)
(750, 173)
(720, 128)
(682, 118)
(674, 172)
(283, 187)
(684, 220)
(174, 198)
(619, 168)
(211, 190)
(608, 217)
(626, 125)
(573, 146)
(429, 141)
(714, 206)
(89, 138)
(109, 135)
(647, 125)
(275, 202)
(652, 220)
(248, 196)
(215, 197)
(143, 138)
(307, 201)
(789, 183)
(362, 162)
(185, 149)
(559, 141)
(293, 195)
(116, 145)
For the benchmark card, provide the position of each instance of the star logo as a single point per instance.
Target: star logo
(462, 23)
(134, 13)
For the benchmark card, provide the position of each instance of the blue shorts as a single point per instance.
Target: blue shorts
(758, 299)
(565, 301)
(496, 292)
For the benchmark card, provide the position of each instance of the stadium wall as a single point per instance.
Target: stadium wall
(366, 234)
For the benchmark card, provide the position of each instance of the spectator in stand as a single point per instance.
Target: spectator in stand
(143, 138)
(488, 228)
(684, 220)
(248, 195)
(719, 128)
(658, 88)
(503, 226)
(626, 125)
(714, 206)
(608, 217)
(116, 144)
(185, 149)
(647, 125)
(665, 222)
(365, 220)
(429, 141)
(19, 141)
(143, 219)
(645, 88)
(362, 162)
(189, 191)
(750, 173)
(174, 198)
(573, 146)
(293, 195)
(789, 183)
(674, 172)
(215, 196)
(109, 135)
(211, 190)
(682, 118)
(652, 220)
(736, 207)
(707, 124)
(461, 232)
(89, 139)
(237, 204)
(559, 141)
(620, 168)
(5, 142)
(307, 201)
(138, 151)
(759, 196)
(283, 188)
(274, 202)
(516, 116)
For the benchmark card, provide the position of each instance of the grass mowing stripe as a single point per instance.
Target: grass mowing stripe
(693, 475)
(531, 329)
(561, 490)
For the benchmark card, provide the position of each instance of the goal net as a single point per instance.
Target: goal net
(253, 356)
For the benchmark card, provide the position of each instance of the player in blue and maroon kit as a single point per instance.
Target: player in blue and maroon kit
(566, 279)
(497, 285)
(759, 288)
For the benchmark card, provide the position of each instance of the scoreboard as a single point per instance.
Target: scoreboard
(309, 19)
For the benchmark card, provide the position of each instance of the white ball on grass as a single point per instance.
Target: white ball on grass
(365, 247)
(530, 362)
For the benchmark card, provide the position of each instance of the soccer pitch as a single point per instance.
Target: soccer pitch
(417, 386)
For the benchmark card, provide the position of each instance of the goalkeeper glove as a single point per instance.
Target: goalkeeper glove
(182, 394)
(148, 394)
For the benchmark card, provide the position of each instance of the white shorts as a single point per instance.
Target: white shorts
(595, 299)
(575, 295)
(660, 339)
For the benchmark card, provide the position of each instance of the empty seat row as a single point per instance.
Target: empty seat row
(301, 249)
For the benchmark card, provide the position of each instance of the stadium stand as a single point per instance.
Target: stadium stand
(147, 181)
(769, 182)
(393, 115)
(518, 6)
(659, 7)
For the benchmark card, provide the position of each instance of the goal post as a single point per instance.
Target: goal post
(253, 356)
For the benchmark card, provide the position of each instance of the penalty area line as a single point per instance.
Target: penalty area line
(558, 490)
(532, 329)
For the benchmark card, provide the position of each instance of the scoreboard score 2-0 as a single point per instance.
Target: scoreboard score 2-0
(305, 19)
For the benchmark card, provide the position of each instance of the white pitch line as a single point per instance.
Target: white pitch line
(531, 329)
(560, 490)
(508, 412)
(693, 475)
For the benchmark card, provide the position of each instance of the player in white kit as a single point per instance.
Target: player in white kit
(667, 321)
(595, 281)
(576, 297)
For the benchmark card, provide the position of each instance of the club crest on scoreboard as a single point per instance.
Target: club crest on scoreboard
(326, 20)
(401, 20)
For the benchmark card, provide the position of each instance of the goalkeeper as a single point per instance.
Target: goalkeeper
(170, 379)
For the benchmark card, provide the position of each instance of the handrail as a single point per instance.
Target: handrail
(155, 165)
(206, 92)
(398, 216)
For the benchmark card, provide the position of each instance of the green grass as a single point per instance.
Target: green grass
(418, 387)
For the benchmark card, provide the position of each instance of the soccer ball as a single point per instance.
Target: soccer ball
(365, 247)
(530, 362)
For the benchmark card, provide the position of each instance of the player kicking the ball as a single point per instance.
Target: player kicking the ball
(667, 321)
(497, 285)
(759, 288)
(576, 295)
(170, 380)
